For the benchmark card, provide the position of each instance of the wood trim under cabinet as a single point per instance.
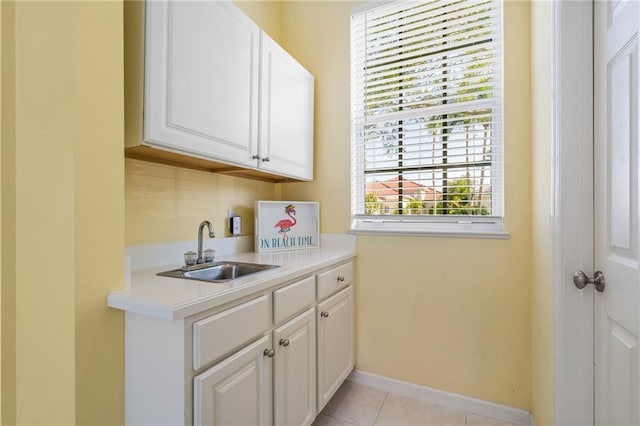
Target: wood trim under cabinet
(146, 153)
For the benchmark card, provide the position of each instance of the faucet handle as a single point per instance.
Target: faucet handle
(208, 255)
(190, 258)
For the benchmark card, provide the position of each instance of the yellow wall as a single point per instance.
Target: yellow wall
(99, 211)
(63, 218)
(317, 35)
(166, 203)
(267, 14)
(1, 73)
(7, 259)
(453, 314)
(541, 284)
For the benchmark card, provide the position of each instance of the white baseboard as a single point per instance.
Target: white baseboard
(447, 399)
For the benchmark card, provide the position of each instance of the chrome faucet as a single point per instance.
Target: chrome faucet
(212, 234)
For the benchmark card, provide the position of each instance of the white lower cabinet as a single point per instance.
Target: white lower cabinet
(295, 370)
(335, 343)
(236, 391)
(273, 357)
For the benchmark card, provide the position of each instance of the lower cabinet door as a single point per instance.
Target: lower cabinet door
(237, 390)
(335, 343)
(295, 370)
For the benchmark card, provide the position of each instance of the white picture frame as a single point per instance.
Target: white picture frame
(286, 225)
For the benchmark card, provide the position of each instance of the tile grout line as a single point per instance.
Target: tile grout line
(375, 419)
(342, 420)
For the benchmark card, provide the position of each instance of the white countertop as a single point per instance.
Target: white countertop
(175, 298)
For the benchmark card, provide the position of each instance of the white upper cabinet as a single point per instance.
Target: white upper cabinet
(286, 107)
(219, 89)
(201, 79)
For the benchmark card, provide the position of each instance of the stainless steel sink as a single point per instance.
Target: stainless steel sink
(219, 271)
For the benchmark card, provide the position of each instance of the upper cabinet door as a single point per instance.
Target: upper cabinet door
(286, 113)
(201, 80)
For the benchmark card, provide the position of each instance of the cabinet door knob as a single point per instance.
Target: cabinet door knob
(341, 278)
(284, 342)
(269, 353)
(266, 159)
(256, 157)
(324, 314)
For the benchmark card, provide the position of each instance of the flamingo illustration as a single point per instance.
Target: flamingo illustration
(285, 225)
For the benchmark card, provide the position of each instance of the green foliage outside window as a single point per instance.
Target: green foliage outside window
(371, 204)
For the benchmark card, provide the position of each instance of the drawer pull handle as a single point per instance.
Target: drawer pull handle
(324, 314)
(269, 353)
(284, 342)
(340, 278)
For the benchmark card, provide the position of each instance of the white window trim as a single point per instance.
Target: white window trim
(491, 227)
(461, 227)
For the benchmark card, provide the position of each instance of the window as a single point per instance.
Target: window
(426, 111)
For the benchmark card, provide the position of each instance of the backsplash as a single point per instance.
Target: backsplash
(166, 203)
(150, 255)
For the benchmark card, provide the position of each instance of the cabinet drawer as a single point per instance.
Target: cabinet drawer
(293, 298)
(227, 330)
(334, 279)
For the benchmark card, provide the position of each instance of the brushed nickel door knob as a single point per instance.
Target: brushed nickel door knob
(580, 279)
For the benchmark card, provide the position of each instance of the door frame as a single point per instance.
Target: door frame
(572, 211)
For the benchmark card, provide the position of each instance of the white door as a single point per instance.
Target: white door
(617, 309)
(294, 373)
(237, 390)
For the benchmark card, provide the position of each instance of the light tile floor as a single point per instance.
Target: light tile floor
(358, 405)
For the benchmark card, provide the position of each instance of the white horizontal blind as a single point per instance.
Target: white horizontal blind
(427, 111)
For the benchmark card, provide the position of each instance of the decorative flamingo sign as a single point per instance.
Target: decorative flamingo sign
(287, 225)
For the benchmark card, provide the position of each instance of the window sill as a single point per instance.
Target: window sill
(445, 230)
